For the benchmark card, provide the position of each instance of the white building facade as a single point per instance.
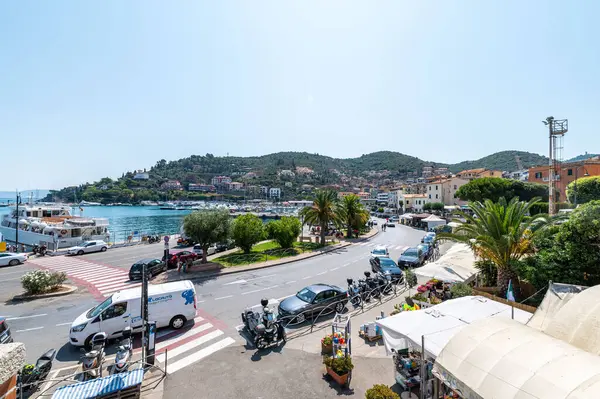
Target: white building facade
(444, 191)
(274, 192)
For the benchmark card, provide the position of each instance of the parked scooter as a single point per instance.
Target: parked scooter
(31, 376)
(92, 361)
(373, 286)
(39, 250)
(384, 279)
(124, 353)
(355, 292)
(270, 331)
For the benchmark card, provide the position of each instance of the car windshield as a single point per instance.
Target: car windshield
(306, 295)
(411, 252)
(387, 263)
(424, 247)
(95, 311)
(379, 252)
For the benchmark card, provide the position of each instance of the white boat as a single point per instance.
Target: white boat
(87, 203)
(52, 225)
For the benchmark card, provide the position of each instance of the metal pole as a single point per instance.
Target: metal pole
(423, 370)
(550, 171)
(512, 312)
(17, 227)
(144, 312)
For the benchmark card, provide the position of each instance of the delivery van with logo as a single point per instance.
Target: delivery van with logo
(169, 305)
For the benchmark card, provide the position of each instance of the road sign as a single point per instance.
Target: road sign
(166, 245)
(166, 238)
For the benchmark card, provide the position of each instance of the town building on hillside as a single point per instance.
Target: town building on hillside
(287, 173)
(412, 202)
(521, 175)
(342, 194)
(235, 186)
(250, 175)
(171, 185)
(289, 184)
(303, 170)
(307, 187)
(382, 197)
(203, 188)
(444, 190)
(141, 175)
(363, 195)
(264, 190)
(472, 174)
(221, 180)
(274, 192)
(441, 172)
(567, 173)
(427, 171)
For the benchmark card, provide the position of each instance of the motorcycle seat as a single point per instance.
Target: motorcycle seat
(92, 353)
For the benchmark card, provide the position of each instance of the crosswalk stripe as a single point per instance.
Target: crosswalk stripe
(201, 354)
(74, 269)
(112, 281)
(187, 334)
(102, 276)
(190, 345)
(114, 289)
(166, 331)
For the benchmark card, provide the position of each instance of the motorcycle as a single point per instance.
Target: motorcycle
(39, 250)
(91, 362)
(31, 376)
(385, 282)
(372, 285)
(153, 239)
(124, 353)
(356, 292)
(266, 329)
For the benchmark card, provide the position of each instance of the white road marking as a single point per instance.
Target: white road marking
(201, 354)
(190, 345)
(291, 282)
(64, 324)
(283, 297)
(334, 269)
(258, 278)
(259, 290)
(223, 297)
(322, 273)
(306, 278)
(27, 317)
(166, 331)
(187, 334)
(50, 377)
(29, 329)
(240, 327)
(236, 282)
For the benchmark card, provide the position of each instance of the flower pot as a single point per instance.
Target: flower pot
(342, 380)
(328, 349)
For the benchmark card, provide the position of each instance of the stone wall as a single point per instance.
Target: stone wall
(12, 359)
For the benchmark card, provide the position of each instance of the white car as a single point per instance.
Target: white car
(88, 246)
(380, 252)
(11, 259)
(210, 251)
(374, 222)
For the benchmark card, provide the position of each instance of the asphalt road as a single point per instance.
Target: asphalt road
(43, 324)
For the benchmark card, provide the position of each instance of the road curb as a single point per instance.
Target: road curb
(24, 297)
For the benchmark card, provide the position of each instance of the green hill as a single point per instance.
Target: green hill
(504, 161)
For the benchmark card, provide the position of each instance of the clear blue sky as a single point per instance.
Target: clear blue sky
(92, 89)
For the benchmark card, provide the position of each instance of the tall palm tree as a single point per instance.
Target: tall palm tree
(501, 232)
(322, 212)
(352, 212)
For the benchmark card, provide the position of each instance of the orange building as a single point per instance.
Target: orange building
(567, 173)
(478, 173)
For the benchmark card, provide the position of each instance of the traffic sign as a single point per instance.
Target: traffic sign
(166, 239)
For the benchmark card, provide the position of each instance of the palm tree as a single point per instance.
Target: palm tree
(352, 212)
(500, 232)
(322, 212)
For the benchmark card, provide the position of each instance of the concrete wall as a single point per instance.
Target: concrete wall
(12, 359)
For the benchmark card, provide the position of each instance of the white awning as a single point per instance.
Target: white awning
(406, 216)
(502, 359)
(433, 218)
(457, 264)
(441, 322)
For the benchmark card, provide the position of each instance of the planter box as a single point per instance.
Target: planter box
(328, 349)
(342, 380)
(204, 267)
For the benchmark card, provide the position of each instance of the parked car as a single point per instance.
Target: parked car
(153, 267)
(5, 337)
(182, 256)
(380, 251)
(427, 250)
(12, 259)
(210, 251)
(87, 247)
(429, 238)
(395, 219)
(386, 265)
(224, 246)
(390, 224)
(374, 222)
(412, 257)
(311, 301)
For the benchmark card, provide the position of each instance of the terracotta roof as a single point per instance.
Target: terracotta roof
(439, 181)
(470, 171)
(415, 195)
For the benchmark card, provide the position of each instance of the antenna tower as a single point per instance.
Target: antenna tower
(556, 129)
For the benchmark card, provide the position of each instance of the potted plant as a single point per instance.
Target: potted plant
(327, 344)
(380, 391)
(338, 368)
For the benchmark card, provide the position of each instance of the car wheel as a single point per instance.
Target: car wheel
(177, 322)
(299, 319)
(339, 307)
(80, 252)
(103, 249)
(13, 262)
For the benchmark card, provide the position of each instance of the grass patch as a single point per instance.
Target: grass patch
(264, 252)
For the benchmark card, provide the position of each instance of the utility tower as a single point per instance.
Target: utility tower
(556, 129)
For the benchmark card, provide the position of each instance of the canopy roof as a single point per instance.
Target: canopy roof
(406, 216)
(457, 264)
(441, 322)
(502, 359)
(556, 297)
(433, 218)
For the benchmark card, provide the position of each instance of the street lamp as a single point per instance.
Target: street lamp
(17, 219)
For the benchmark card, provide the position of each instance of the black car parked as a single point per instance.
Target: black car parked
(153, 267)
(5, 337)
(311, 301)
(412, 257)
(224, 246)
(386, 265)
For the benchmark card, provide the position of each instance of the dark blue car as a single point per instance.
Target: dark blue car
(386, 265)
(412, 257)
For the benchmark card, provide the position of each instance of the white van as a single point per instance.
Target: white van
(170, 304)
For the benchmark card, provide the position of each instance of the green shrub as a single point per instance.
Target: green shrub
(285, 231)
(41, 281)
(380, 391)
(411, 278)
(247, 230)
(341, 365)
(461, 289)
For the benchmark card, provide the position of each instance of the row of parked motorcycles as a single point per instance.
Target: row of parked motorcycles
(363, 290)
(153, 239)
(39, 250)
(265, 329)
(92, 361)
